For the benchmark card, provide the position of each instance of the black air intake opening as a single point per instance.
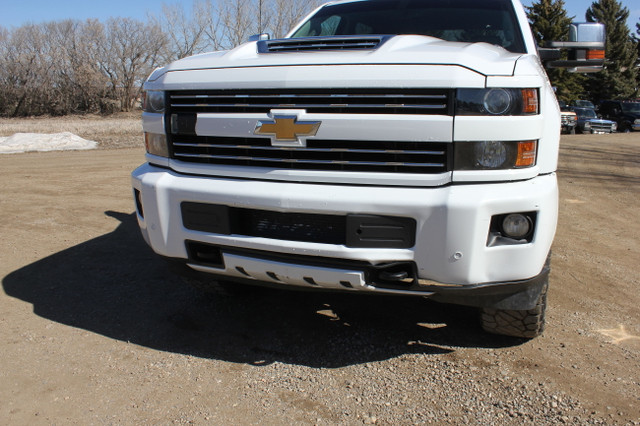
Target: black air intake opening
(205, 254)
(306, 44)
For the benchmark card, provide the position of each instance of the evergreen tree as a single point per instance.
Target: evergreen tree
(618, 80)
(549, 22)
(636, 39)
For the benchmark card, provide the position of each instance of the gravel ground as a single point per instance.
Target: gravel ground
(95, 330)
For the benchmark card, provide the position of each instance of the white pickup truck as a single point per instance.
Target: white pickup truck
(398, 147)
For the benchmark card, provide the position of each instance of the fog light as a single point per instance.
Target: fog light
(516, 226)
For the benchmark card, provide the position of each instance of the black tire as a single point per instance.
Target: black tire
(526, 324)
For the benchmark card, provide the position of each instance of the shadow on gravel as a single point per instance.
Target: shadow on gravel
(115, 286)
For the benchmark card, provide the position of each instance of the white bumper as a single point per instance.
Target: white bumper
(451, 235)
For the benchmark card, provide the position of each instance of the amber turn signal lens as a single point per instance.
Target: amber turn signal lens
(595, 54)
(527, 153)
(156, 144)
(530, 101)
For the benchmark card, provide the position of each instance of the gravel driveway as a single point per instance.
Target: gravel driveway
(95, 330)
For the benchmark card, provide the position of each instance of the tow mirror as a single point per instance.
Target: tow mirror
(586, 49)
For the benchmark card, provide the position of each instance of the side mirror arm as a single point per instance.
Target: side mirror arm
(586, 49)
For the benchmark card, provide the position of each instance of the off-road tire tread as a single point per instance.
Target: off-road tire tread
(526, 324)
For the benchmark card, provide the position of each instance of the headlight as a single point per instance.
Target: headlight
(497, 101)
(156, 144)
(154, 101)
(494, 155)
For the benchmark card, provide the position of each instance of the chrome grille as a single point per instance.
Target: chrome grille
(338, 155)
(601, 127)
(334, 101)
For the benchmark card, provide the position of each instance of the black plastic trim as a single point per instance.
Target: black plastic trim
(515, 295)
(351, 230)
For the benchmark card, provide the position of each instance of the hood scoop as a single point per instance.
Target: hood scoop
(310, 44)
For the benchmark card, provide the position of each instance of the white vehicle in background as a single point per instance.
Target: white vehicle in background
(393, 147)
(569, 121)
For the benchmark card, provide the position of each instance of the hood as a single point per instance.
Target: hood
(599, 121)
(482, 58)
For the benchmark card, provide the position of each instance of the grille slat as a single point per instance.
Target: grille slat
(319, 154)
(307, 161)
(312, 106)
(328, 150)
(337, 101)
(307, 95)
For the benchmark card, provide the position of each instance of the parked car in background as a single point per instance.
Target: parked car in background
(583, 104)
(626, 114)
(589, 122)
(568, 118)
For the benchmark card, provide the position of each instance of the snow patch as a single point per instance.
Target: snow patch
(25, 142)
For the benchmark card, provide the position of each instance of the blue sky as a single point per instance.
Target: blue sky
(15, 13)
(578, 9)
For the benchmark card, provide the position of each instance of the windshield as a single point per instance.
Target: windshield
(631, 107)
(585, 104)
(490, 21)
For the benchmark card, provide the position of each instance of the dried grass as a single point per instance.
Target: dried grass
(122, 130)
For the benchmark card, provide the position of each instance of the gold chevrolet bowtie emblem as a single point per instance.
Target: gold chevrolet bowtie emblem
(286, 130)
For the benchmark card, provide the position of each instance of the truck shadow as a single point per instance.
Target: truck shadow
(115, 286)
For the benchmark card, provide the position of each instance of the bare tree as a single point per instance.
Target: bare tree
(78, 85)
(5, 88)
(127, 55)
(237, 19)
(287, 13)
(242, 18)
(263, 18)
(186, 31)
(74, 67)
(213, 31)
(26, 70)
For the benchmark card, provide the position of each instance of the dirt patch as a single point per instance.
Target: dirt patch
(94, 329)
